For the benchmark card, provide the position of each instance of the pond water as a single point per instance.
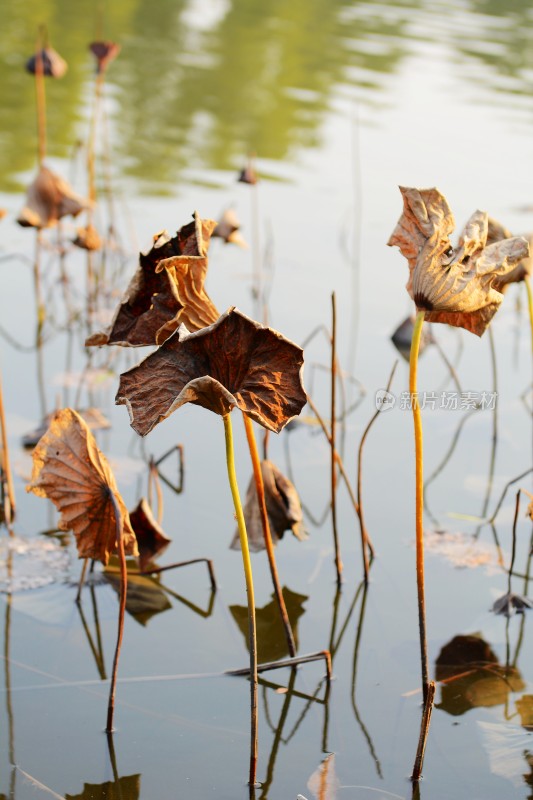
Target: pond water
(341, 102)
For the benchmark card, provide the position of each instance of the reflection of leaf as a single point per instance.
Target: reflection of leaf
(462, 550)
(283, 507)
(234, 362)
(272, 644)
(472, 676)
(324, 783)
(151, 539)
(144, 599)
(126, 788)
(453, 286)
(507, 746)
(69, 469)
(511, 603)
(524, 706)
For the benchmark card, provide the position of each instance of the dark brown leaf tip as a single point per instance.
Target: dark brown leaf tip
(233, 362)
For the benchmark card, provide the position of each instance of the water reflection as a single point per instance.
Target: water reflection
(271, 641)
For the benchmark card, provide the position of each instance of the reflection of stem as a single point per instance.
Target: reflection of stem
(419, 471)
(332, 430)
(529, 305)
(526, 589)
(354, 676)
(287, 662)
(494, 425)
(189, 604)
(265, 785)
(81, 582)
(261, 501)
(505, 488)
(449, 364)
(40, 310)
(113, 758)
(364, 534)
(167, 567)
(334, 618)
(424, 730)
(119, 523)
(96, 655)
(247, 564)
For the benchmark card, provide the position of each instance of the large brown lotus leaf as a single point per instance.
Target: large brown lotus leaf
(69, 469)
(49, 198)
(283, 508)
(104, 52)
(454, 286)
(234, 362)
(151, 539)
(150, 310)
(52, 65)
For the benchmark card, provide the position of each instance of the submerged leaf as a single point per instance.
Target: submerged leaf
(152, 307)
(234, 362)
(151, 538)
(49, 198)
(283, 508)
(69, 469)
(453, 286)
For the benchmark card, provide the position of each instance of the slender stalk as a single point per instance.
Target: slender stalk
(247, 564)
(40, 96)
(424, 730)
(260, 489)
(419, 501)
(83, 575)
(332, 428)
(5, 467)
(529, 305)
(513, 550)
(364, 533)
(122, 609)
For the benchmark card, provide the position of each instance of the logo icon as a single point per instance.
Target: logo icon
(384, 400)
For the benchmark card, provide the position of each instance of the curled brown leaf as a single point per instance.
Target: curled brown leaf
(49, 198)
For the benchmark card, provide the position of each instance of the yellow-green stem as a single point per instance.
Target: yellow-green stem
(419, 501)
(247, 564)
(529, 306)
(263, 513)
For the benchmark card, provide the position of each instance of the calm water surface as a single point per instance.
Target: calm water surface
(341, 102)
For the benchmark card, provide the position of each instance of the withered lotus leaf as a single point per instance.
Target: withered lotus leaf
(151, 538)
(283, 508)
(227, 228)
(87, 238)
(197, 310)
(150, 309)
(497, 232)
(49, 198)
(453, 286)
(234, 362)
(104, 52)
(73, 473)
(52, 65)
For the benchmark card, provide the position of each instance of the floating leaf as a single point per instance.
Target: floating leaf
(283, 508)
(104, 52)
(234, 362)
(151, 538)
(52, 65)
(69, 469)
(49, 198)
(151, 308)
(454, 286)
(462, 550)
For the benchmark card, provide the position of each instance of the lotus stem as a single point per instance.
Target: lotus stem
(81, 582)
(8, 490)
(513, 551)
(529, 305)
(119, 522)
(419, 500)
(260, 489)
(40, 95)
(424, 730)
(247, 564)
(333, 463)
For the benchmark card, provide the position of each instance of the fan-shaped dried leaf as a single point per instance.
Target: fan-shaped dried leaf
(69, 469)
(104, 52)
(283, 509)
(452, 286)
(234, 362)
(53, 66)
(497, 232)
(49, 198)
(227, 228)
(152, 306)
(151, 538)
